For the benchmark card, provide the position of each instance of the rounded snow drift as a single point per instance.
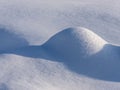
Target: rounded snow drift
(75, 41)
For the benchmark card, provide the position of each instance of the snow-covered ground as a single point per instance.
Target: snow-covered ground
(59, 45)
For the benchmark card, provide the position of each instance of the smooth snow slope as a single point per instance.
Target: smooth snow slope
(69, 58)
(81, 51)
(38, 20)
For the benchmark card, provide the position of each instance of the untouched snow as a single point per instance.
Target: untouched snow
(45, 45)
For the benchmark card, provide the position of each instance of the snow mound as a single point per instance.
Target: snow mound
(85, 53)
(75, 41)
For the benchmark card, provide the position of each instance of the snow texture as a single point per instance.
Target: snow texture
(59, 45)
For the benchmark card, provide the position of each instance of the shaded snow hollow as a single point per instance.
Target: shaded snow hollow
(10, 40)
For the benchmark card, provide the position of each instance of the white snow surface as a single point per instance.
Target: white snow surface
(59, 45)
